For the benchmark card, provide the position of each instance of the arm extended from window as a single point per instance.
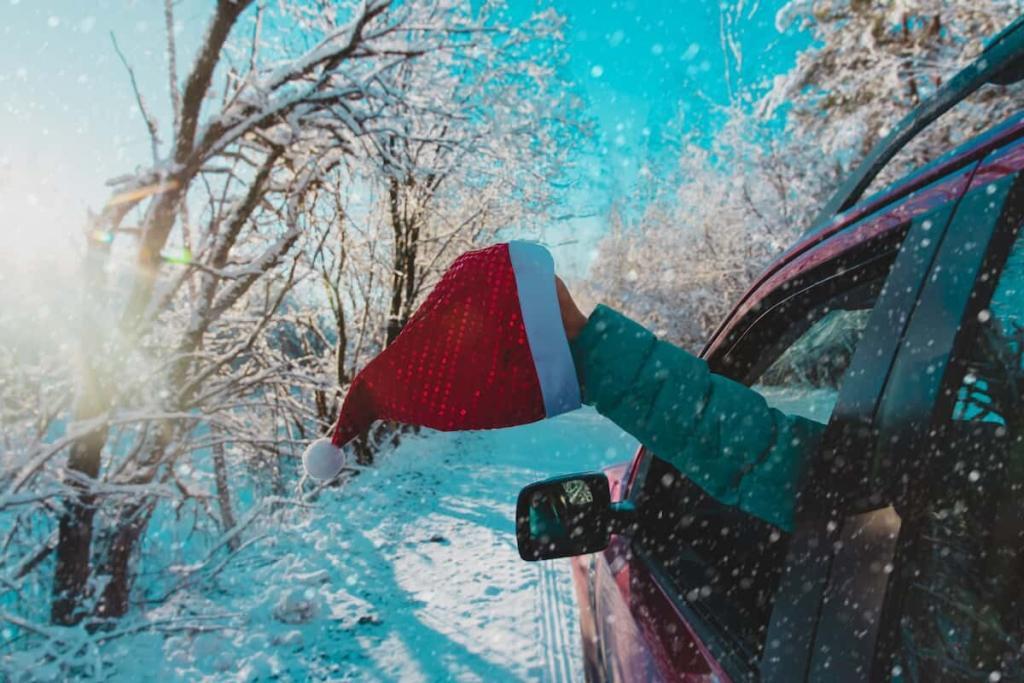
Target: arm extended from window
(719, 433)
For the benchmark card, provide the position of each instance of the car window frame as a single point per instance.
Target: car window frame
(744, 358)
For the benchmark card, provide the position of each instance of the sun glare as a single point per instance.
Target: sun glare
(39, 223)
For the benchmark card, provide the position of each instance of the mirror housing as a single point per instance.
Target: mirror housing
(568, 515)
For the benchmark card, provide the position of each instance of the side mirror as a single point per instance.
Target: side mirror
(568, 515)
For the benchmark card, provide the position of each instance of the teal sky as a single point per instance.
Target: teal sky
(652, 70)
(69, 121)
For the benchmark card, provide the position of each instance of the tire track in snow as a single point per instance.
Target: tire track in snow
(545, 610)
(571, 652)
(556, 634)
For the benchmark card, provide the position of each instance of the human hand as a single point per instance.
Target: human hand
(572, 318)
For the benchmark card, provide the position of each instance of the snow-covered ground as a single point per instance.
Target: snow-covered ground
(409, 572)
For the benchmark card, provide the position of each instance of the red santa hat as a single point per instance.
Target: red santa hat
(487, 349)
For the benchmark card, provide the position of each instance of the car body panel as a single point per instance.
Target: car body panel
(635, 631)
(1001, 162)
(618, 479)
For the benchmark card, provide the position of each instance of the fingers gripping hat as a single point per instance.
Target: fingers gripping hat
(487, 349)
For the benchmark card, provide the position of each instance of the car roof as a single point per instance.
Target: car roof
(967, 153)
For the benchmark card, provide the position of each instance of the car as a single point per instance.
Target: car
(898, 322)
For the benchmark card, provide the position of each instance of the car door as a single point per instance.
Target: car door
(719, 566)
(951, 429)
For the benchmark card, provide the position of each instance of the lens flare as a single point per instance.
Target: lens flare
(102, 236)
(142, 192)
(181, 257)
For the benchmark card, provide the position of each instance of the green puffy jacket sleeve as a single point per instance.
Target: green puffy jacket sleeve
(719, 433)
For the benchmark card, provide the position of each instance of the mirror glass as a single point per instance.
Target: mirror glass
(563, 516)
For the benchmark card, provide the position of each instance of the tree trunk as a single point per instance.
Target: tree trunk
(74, 544)
(397, 279)
(363, 446)
(71, 576)
(220, 473)
(128, 529)
(405, 229)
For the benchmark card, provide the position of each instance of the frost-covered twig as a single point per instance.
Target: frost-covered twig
(147, 117)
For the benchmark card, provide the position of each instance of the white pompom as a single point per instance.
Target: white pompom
(323, 460)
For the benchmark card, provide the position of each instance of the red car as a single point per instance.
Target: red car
(899, 322)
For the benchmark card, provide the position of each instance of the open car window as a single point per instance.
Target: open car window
(804, 378)
(720, 562)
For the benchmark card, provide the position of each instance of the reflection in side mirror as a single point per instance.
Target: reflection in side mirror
(569, 515)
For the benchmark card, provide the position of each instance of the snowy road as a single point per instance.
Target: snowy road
(410, 572)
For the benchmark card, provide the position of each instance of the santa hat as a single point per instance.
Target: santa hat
(487, 349)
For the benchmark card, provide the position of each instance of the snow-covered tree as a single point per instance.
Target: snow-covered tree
(681, 263)
(205, 359)
(444, 185)
(871, 63)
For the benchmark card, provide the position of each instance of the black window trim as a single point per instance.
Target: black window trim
(897, 416)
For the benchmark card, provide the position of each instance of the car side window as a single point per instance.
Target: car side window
(805, 379)
(962, 614)
(723, 563)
